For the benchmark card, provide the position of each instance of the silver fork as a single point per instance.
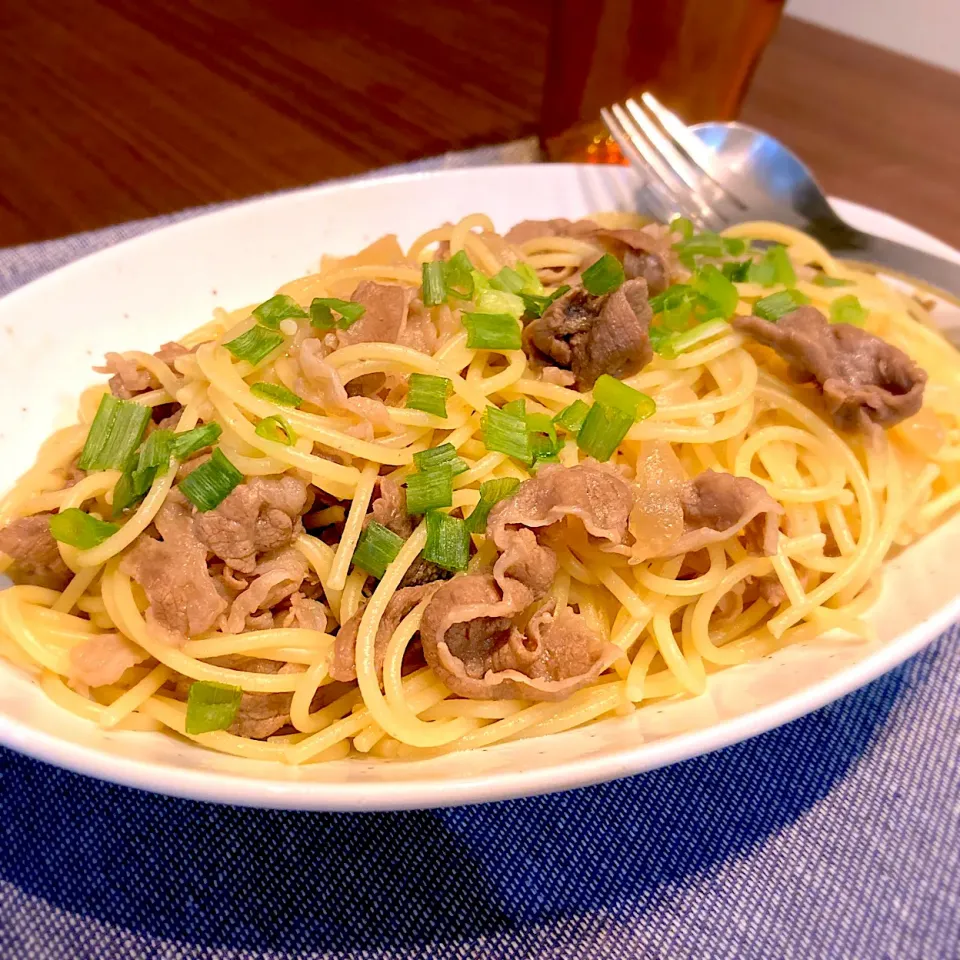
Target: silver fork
(719, 174)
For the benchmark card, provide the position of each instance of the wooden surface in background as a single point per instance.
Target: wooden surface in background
(112, 110)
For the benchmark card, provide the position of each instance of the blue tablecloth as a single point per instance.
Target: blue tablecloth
(837, 836)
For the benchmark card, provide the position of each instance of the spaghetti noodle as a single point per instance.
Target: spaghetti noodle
(838, 499)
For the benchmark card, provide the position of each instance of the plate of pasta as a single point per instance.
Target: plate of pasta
(461, 486)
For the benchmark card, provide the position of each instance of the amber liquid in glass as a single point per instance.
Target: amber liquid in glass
(696, 56)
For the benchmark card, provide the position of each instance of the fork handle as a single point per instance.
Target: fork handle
(850, 244)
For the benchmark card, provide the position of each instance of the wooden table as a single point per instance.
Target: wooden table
(111, 110)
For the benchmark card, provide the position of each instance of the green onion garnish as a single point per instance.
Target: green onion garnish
(377, 549)
(779, 304)
(78, 529)
(276, 394)
(722, 295)
(434, 284)
(446, 453)
(774, 267)
(822, 280)
(458, 276)
(736, 270)
(187, 443)
(271, 312)
(428, 393)
(255, 345)
(848, 309)
(516, 408)
(115, 433)
(500, 302)
(508, 280)
(531, 282)
(604, 276)
(430, 489)
(448, 542)
(682, 226)
(211, 483)
(154, 456)
(674, 344)
(709, 244)
(571, 418)
(276, 429)
(535, 305)
(322, 311)
(507, 433)
(615, 393)
(211, 706)
(543, 437)
(491, 493)
(486, 331)
(603, 431)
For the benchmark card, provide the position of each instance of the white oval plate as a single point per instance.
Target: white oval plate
(157, 287)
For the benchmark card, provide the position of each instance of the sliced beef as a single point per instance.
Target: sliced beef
(260, 715)
(129, 378)
(472, 642)
(644, 255)
(423, 571)
(532, 229)
(385, 317)
(103, 659)
(866, 382)
(35, 554)
(344, 665)
(306, 613)
(262, 513)
(389, 508)
(718, 505)
(276, 576)
(183, 598)
(592, 335)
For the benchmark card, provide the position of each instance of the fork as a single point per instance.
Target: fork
(720, 174)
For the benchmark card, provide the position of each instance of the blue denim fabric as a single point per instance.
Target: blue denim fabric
(836, 836)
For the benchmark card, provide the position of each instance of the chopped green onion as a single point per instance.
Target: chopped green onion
(603, 431)
(491, 493)
(541, 423)
(428, 393)
(448, 542)
(322, 310)
(458, 276)
(434, 284)
(571, 418)
(822, 280)
(500, 302)
(187, 443)
(125, 494)
(508, 280)
(682, 226)
(779, 304)
(430, 489)
(516, 408)
(154, 456)
(211, 483)
(276, 394)
(678, 343)
(604, 276)
(276, 429)
(848, 309)
(446, 453)
(661, 340)
(774, 267)
(535, 305)
(78, 529)
(709, 244)
(722, 295)
(531, 282)
(616, 394)
(211, 706)
(543, 439)
(377, 549)
(492, 331)
(271, 312)
(255, 345)
(115, 433)
(507, 433)
(736, 271)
